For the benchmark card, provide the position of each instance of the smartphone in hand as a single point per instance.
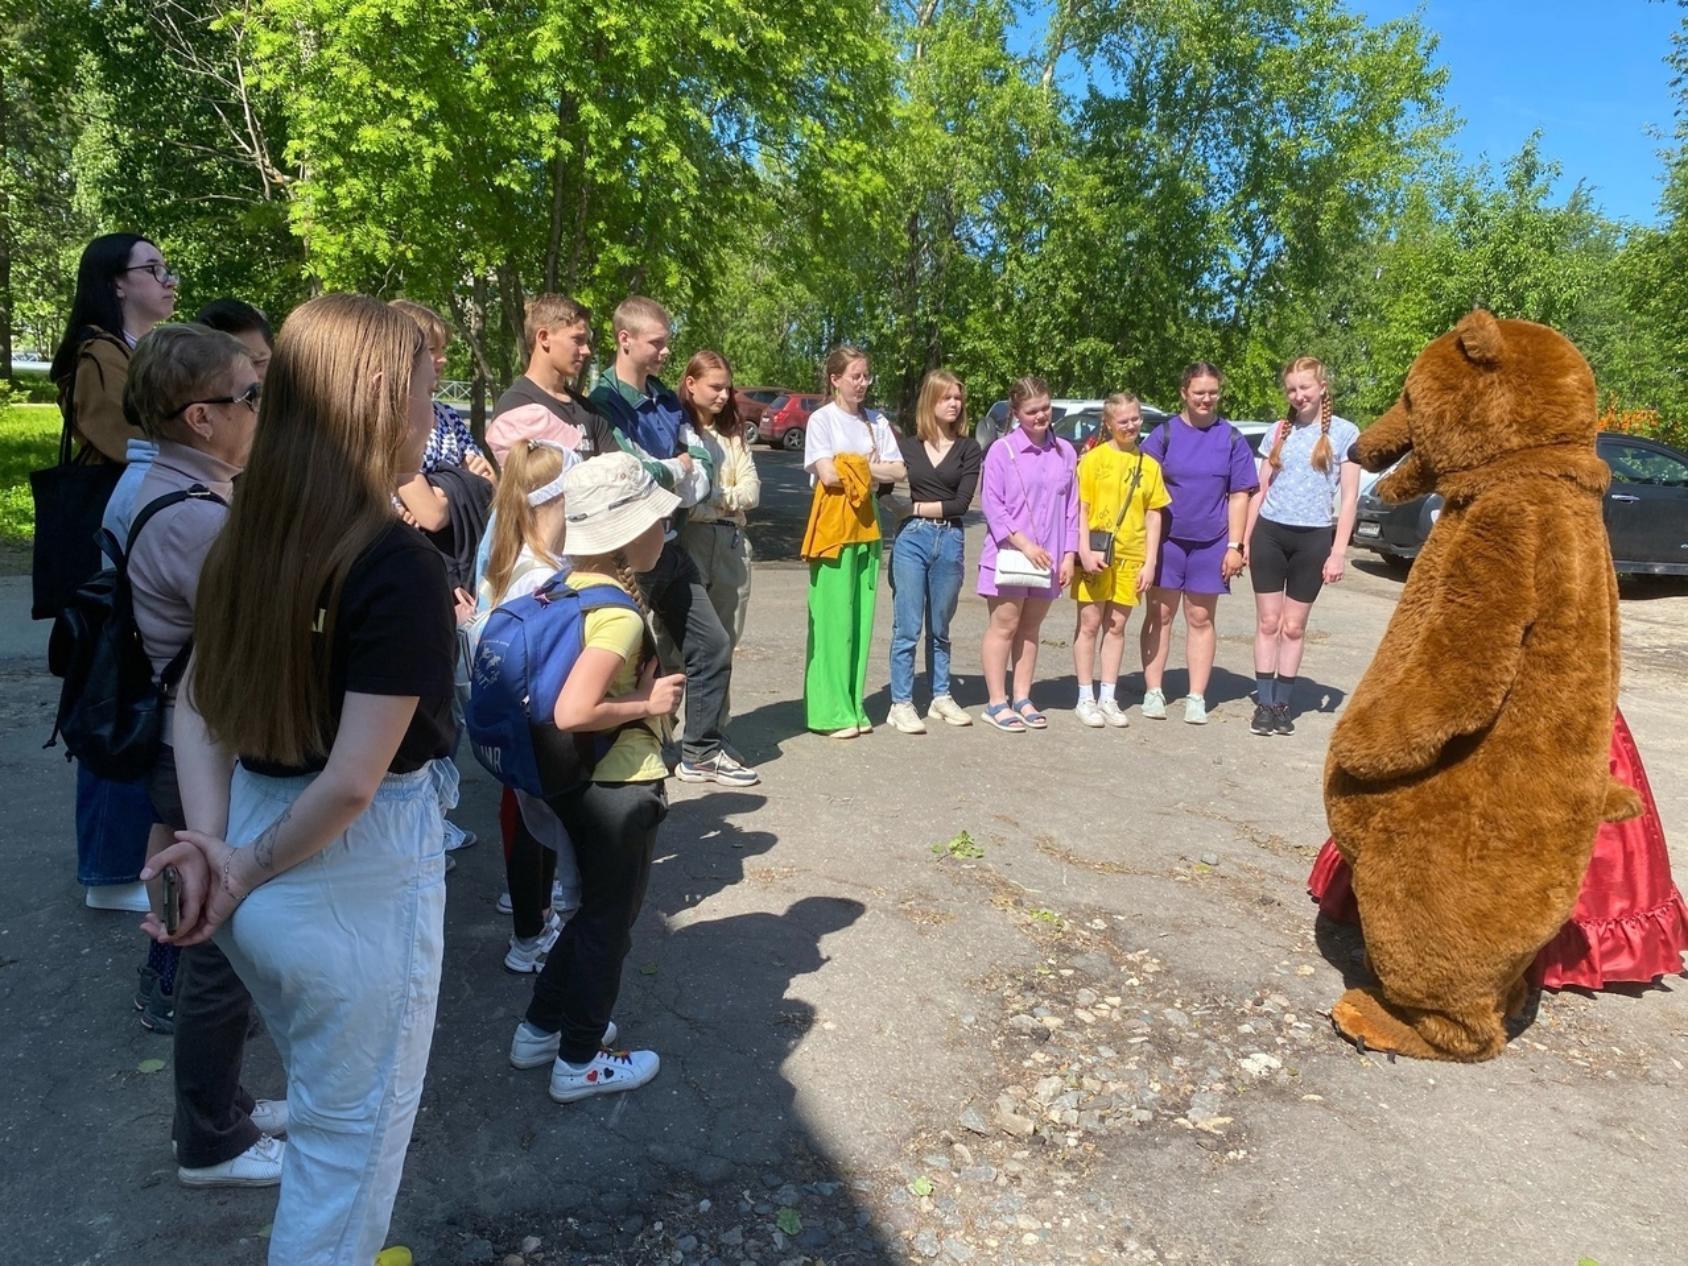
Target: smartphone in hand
(172, 900)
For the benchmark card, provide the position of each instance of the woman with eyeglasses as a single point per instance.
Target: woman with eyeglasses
(848, 450)
(1210, 476)
(123, 289)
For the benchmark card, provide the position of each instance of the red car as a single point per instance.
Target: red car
(782, 425)
(753, 405)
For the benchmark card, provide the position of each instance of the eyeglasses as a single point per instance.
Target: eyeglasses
(249, 398)
(160, 273)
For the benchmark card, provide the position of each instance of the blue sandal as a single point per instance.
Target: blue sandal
(1004, 718)
(1030, 715)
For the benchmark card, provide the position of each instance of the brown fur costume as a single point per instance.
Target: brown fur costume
(1467, 778)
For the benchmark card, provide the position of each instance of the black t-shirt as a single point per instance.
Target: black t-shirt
(597, 436)
(952, 481)
(393, 635)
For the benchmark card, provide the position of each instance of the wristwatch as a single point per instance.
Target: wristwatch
(1236, 545)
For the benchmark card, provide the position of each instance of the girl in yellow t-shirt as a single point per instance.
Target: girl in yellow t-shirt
(613, 529)
(1118, 487)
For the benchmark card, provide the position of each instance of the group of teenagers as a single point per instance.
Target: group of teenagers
(316, 541)
(311, 540)
(1168, 521)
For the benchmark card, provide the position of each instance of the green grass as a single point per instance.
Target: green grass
(29, 440)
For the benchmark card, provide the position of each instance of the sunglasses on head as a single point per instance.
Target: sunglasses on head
(249, 398)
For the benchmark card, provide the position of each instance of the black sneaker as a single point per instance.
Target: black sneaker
(146, 982)
(1265, 720)
(1281, 724)
(159, 1014)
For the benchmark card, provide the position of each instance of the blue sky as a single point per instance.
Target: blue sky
(1589, 74)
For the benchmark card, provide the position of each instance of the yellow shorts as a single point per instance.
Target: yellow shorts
(1116, 584)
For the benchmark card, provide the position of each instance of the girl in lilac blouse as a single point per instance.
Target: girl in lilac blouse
(1030, 499)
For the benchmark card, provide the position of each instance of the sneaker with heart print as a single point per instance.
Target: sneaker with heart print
(608, 1072)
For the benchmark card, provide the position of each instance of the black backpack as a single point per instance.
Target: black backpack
(111, 708)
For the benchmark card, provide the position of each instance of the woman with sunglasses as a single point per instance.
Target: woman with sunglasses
(194, 390)
(123, 289)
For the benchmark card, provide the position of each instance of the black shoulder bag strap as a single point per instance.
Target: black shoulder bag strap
(198, 492)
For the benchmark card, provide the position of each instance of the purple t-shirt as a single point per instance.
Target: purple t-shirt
(1202, 468)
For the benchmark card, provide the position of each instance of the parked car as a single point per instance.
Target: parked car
(1077, 426)
(998, 420)
(783, 423)
(753, 405)
(1646, 511)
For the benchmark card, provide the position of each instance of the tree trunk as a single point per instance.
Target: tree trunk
(512, 300)
(554, 239)
(5, 241)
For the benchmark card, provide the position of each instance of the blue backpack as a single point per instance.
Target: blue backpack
(525, 654)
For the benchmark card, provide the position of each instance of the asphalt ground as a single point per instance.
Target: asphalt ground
(1090, 1032)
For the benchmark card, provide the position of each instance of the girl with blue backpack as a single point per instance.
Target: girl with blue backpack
(614, 531)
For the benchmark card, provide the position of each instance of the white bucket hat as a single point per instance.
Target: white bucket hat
(611, 500)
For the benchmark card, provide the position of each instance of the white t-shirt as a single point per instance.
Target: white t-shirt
(830, 431)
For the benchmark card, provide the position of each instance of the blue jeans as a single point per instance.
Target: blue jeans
(926, 569)
(113, 820)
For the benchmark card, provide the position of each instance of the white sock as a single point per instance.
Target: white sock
(575, 1068)
(1084, 695)
(1106, 690)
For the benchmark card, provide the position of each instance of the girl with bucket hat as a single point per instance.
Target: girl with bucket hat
(613, 530)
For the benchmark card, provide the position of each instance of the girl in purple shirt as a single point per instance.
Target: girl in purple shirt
(1210, 474)
(1030, 498)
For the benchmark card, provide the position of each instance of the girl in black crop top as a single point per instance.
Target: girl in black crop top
(928, 555)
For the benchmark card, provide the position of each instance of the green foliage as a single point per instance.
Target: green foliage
(1099, 200)
(960, 846)
(29, 440)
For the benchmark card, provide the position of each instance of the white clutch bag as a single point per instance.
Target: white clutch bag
(1014, 568)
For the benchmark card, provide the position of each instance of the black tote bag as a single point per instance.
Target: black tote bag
(69, 497)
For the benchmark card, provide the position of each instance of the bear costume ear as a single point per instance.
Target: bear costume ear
(1479, 337)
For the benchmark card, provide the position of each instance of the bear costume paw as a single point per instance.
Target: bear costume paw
(1365, 1019)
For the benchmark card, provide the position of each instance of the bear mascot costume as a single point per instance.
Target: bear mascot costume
(1468, 775)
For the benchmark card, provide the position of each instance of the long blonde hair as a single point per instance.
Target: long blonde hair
(932, 391)
(1321, 451)
(516, 523)
(317, 492)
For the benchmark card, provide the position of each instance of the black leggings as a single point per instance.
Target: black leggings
(1289, 560)
(613, 826)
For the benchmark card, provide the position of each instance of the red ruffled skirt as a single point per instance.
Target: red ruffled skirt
(1629, 923)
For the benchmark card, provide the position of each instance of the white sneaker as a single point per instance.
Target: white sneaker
(258, 1166)
(131, 898)
(608, 1072)
(1154, 705)
(529, 955)
(270, 1116)
(949, 711)
(904, 719)
(1195, 710)
(1113, 714)
(1089, 714)
(530, 1048)
(504, 906)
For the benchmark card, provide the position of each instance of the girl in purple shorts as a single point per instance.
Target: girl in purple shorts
(1210, 474)
(1030, 498)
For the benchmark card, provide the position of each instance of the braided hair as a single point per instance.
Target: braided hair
(1322, 453)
